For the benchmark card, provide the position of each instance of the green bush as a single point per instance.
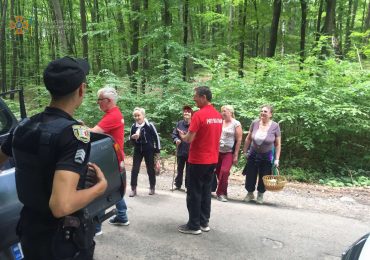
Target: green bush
(322, 109)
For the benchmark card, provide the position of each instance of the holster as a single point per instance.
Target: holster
(81, 230)
(76, 235)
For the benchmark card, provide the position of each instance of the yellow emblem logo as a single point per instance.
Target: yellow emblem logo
(19, 25)
(81, 133)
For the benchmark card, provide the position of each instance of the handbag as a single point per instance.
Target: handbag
(157, 164)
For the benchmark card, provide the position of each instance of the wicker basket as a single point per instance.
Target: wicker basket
(274, 182)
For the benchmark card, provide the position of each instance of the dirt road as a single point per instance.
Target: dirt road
(345, 202)
(300, 222)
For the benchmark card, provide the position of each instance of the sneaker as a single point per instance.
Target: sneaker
(205, 228)
(132, 193)
(259, 198)
(186, 230)
(99, 233)
(151, 191)
(222, 198)
(117, 222)
(249, 197)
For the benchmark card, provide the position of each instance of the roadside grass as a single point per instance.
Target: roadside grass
(345, 178)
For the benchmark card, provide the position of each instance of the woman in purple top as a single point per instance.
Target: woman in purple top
(263, 136)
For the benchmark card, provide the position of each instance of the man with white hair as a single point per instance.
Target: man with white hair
(112, 124)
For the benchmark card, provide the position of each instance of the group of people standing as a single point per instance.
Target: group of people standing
(48, 182)
(261, 148)
(207, 145)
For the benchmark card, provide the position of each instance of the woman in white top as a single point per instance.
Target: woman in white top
(230, 141)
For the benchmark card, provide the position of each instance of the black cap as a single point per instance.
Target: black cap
(65, 75)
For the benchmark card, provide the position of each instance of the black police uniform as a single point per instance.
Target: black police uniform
(41, 145)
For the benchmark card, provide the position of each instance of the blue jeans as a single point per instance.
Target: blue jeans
(121, 213)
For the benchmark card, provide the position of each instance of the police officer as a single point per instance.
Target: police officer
(51, 152)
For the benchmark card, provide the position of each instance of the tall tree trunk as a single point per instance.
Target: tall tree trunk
(166, 18)
(72, 41)
(85, 46)
(347, 42)
(329, 26)
(135, 8)
(185, 38)
(123, 41)
(283, 30)
(274, 28)
(303, 30)
(14, 46)
(363, 15)
(146, 65)
(318, 22)
(242, 23)
(37, 42)
(352, 24)
(354, 12)
(3, 47)
(109, 46)
(216, 26)
(367, 21)
(257, 28)
(190, 62)
(230, 29)
(21, 53)
(60, 24)
(95, 17)
(203, 30)
(339, 27)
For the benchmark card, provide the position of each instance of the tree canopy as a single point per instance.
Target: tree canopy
(309, 58)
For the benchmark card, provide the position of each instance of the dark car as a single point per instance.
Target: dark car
(359, 250)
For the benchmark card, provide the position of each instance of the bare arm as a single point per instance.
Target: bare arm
(247, 142)
(66, 199)
(188, 137)
(238, 139)
(277, 149)
(97, 129)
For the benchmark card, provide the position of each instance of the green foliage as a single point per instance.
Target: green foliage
(348, 179)
(303, 175)
(322, 109)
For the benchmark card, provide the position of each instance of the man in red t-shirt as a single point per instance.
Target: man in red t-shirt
(112, 124)
(204, 138)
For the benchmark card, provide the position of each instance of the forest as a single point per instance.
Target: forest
(307, 58)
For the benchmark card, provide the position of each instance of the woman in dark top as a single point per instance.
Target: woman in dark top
(182, 147)
(264, 134)
(146, 142)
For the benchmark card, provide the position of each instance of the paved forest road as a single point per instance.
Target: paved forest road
(288, 226)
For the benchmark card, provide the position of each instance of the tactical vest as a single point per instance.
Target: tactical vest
(34, 151)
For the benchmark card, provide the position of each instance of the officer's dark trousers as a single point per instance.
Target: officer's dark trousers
(181, 162)
(198, 197)
(47, 247)
(41, 240)
(149, 161)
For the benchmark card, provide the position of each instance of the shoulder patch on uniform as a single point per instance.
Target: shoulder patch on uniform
(82, 133)
(80, 156)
